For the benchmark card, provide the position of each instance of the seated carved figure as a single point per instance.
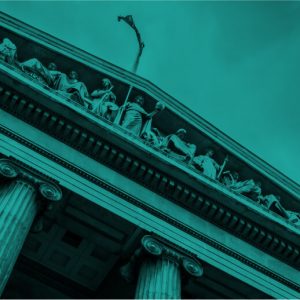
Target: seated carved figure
(104, 99)
(134, 114)
(207, 164)
(8, 51)
(35, 69)
(71, 87)
(272, 202)
(177, 147)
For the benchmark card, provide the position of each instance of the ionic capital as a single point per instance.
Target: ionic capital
(155, 247)
(13, 170)
(50, 191)
(8, 169)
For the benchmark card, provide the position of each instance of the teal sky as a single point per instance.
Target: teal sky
(237, 64)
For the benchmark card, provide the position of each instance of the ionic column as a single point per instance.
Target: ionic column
(160, 271)
(18, 208)
(159, 279)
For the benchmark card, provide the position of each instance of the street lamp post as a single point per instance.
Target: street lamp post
(129, 20)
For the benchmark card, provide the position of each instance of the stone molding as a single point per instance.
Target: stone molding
(103, 151)
(13, 170)
(136, 202)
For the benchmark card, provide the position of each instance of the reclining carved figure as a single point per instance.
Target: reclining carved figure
(35, 69)
(272, 202)
(68, 86)
(293, 217)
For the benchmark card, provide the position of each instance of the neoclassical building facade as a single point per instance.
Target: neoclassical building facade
(119, 202)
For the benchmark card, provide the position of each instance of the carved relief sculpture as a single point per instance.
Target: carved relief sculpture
(177, 147)
(35, 69)
(152, 135)
(230, 179)
(104, 101)
(71, 87)
(249, 188)
(137, 121)
(207, 164)
(272, 202)
(134, 114)
(8, 51)
(293, 217)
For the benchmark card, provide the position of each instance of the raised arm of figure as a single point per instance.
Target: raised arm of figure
(99, 93)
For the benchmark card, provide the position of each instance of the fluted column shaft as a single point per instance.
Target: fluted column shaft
(159, 278)
(160, 265)
(18, 207)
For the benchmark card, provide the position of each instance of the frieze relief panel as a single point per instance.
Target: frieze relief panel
(172, 145)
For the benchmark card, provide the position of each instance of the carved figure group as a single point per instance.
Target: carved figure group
(136, 120)
(248, 187)
(34, 68)
(253, 190)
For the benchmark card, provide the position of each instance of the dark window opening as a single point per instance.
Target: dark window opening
(72, 239)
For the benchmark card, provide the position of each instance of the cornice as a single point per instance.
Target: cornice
(128, 165)
(190, 117)
(136, 202)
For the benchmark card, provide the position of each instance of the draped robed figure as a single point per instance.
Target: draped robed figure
(133, 117)
(8, 51)
(138, 121)
(72, 88)
(207, 164)
(176, 147)
(104, 101)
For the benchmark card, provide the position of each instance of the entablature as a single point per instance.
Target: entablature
(139, 162)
